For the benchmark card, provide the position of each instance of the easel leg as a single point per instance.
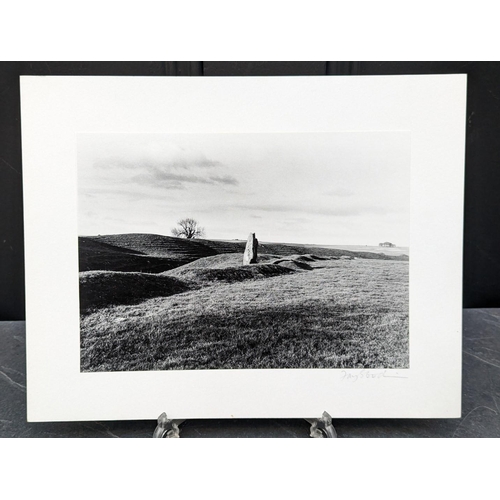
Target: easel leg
(167, 428)
(322, 427)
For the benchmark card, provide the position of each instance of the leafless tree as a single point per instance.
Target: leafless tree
(188, 228)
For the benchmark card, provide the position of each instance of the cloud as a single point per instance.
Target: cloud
(334, 211)
(157, 177)
(224, 179)
(172, 169)
(189, 163)
(330, 211)
(294, 208)
(129, 193)
(199, 163)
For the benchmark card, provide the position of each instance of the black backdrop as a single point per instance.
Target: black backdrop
(481, 286)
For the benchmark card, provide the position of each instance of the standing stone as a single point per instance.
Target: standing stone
(250, 255)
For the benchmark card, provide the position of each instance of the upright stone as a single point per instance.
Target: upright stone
(250, 255)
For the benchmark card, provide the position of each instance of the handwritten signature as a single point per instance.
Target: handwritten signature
(368, 375)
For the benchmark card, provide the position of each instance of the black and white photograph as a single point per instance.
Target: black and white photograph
(209, 248)
(244, 250)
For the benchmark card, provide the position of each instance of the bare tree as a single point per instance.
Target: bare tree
(188, 228)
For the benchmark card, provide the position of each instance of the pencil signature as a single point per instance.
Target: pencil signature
(354, 376)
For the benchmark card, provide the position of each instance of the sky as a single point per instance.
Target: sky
(346, 188)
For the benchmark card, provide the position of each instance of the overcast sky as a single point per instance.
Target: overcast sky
(346, 188)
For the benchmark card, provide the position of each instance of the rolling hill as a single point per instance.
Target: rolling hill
(151, 302)
(106, 288)
(287, 249)
(147, 253)
(153, 253)
(159, 246)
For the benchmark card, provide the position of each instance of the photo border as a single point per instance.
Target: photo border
(54, 109)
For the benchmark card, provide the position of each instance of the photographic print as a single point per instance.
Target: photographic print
(243, 247)
(244, 250)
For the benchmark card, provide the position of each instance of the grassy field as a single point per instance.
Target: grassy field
(146, 253)
(332, 309)
(153, 253)
(369, 248)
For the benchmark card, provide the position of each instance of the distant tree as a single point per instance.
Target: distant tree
(188, 228)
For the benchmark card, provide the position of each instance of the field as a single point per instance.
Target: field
(160, 303)
(370, 248)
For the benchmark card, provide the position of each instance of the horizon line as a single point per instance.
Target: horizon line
(243, 240)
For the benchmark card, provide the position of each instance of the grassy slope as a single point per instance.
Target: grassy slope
(291, 249)
(147, 253)
(100, 289)
(153, 253)
(344, 313)
(286, 249)
(98, 255)
(106, 288)
(159, 246)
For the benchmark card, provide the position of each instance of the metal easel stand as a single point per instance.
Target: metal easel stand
(320, 427)
(167, 428)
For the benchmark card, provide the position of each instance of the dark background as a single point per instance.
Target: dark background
(481, 286)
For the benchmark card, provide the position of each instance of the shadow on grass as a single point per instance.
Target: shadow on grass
(107, 288)
(277, 337)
